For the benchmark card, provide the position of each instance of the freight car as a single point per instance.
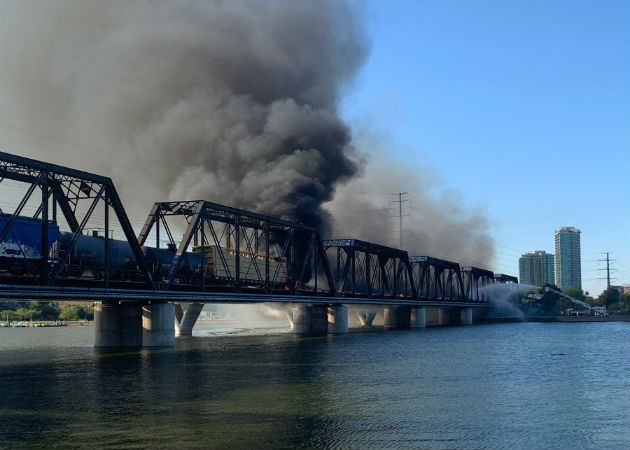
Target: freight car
(87, 257)
(22, 243)
(24, 239)
(87, 260)
(248, 263)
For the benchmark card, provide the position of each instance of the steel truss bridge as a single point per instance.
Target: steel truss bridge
(241, 256)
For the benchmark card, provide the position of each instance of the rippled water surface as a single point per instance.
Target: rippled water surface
(527, 385)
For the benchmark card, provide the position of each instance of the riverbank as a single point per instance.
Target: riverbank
(81, 323)
(610, 318)
(47, 323)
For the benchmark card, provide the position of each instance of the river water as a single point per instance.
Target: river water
(499, 386)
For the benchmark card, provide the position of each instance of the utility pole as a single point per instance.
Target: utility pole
(400, 215)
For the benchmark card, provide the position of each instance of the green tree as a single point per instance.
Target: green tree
(609, 296)
(71, 313)
(89, 312)
(575, 293)
(49, 311)
(621, 307)
(77, 313)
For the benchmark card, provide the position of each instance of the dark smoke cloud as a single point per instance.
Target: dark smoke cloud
(438, 223)
(231, 101)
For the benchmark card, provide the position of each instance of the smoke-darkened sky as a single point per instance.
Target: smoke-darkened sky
(236, 102)
(521, 106)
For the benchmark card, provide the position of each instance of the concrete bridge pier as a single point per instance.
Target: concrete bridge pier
(455, 316)
(338, 319)
(397, 317)
(158, 325)
(185, 318)
(310, 319)
(466, 316)
(450, 316)
(366, 318)
(418, 317)
(432, 317)
(133, 325)
(118, 325)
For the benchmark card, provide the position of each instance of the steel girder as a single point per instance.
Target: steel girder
(474, 280)
(68, 188)
(503, 278)
(437, 279)
(267, 254)
(364, 269)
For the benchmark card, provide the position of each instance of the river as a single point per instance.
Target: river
(498, 386)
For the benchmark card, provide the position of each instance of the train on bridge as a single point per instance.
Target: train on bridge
(86, 258)
(223, 249)
(62, 250)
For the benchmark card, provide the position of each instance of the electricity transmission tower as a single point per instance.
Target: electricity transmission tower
(400, 215)
(607, 269)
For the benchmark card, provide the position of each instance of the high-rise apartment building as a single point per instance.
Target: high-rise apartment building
(536, 268)
(568, 260)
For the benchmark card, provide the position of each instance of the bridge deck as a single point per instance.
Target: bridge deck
(135, 295)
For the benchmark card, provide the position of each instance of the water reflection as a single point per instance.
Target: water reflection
(497, 386)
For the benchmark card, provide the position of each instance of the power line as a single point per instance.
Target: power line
(48, 137)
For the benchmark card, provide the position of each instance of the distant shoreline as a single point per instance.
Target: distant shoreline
(572, 319)
(611, 318)
(81, 323)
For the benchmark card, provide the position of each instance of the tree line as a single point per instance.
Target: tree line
(615, 302)
(48, 311)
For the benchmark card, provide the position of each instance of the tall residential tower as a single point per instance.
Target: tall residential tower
(536, 268)
(568, 260)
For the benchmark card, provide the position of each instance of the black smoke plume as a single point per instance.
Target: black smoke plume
(229, 101)
(234, 102)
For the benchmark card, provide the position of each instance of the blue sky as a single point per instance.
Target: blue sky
(521, 106)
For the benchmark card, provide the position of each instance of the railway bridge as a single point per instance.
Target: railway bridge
(57, 243)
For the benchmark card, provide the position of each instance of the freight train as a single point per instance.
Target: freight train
(22, 245)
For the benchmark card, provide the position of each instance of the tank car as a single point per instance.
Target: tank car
(159, 261)
(87, 258)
